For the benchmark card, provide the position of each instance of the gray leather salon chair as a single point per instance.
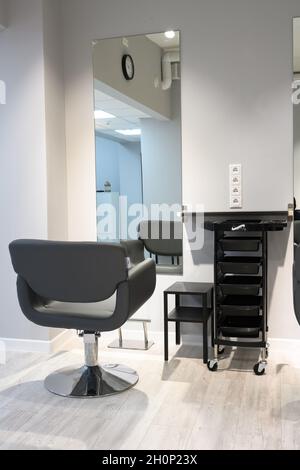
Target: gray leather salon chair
(89, 287)
(163, 240)
(297, 232)
(296, 282)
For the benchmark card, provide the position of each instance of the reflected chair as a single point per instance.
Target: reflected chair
(296, 235)
(163, 239)
(89, 287)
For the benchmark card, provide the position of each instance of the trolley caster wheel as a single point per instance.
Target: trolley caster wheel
(212, 365)
(260, 368)
(221, 350)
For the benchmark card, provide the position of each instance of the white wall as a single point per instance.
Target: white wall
(33, 191)
(55, 121)
(236, 107)
(161, 154)
(23, 185)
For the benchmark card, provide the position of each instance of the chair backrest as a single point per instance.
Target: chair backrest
(297, 232)
(296, 283)
(70, 271)
(163, 238)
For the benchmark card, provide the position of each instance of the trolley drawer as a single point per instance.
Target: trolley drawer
(240, 244)
(241, 306)
(241, 285)
(239, 265)
(241, 327)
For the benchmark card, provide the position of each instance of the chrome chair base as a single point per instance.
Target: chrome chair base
(91, 381)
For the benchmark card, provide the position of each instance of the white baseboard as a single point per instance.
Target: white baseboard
(285, 344)
(282, 344)
(61, 340)
(33, 345)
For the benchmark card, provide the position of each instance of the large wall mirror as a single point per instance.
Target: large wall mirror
(137, 96)
(296, 103)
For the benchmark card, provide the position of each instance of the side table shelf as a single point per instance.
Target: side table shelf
(181, 314)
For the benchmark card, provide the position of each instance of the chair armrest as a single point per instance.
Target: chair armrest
(142, 283)
(134, 250)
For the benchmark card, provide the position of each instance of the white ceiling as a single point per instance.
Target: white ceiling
(127, 117)
(163, 42)
(297, 44)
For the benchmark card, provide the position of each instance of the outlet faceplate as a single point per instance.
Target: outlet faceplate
(235, 186)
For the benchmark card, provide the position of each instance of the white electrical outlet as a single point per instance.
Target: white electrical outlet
(236, 202)
(235, 180)
(236, 191)
(235, 186)
(235, 169)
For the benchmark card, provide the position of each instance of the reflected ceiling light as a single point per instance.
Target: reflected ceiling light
(103, 115)
(129, 131)
(170, 34)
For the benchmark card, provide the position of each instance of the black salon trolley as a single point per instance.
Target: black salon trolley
(240, 316)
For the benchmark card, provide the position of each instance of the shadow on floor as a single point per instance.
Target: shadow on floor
(291, 411)
(239, 359)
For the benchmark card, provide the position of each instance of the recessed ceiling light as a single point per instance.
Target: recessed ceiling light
(129, 131)
(170, 34)
(103, 115)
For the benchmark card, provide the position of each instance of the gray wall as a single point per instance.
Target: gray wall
(107, 57)
(130, 172)
(297, 154)
(107, 163)
(120, 164)
(236, 107)
(3, 14)
(161, 154)
(131, 176)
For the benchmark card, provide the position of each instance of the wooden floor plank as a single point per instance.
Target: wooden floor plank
(175, 405)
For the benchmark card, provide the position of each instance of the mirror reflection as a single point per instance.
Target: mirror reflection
(296, 102)
(137, 111)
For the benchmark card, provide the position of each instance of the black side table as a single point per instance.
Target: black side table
(188, 314)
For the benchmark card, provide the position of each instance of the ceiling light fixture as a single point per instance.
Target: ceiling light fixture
(129, 132)
(103, 115)
(170, 34)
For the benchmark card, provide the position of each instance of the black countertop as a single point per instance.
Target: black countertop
(247, 221)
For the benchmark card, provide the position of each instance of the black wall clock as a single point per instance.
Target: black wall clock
(128, 66)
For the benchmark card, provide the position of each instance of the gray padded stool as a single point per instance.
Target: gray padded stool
(70, 285)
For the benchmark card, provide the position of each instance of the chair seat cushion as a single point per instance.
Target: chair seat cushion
(69, 311)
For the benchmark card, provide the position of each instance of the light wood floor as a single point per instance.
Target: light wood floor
(179, 405)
